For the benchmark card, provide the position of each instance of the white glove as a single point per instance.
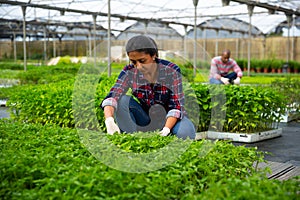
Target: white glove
(225, 80)
(165, 131)
(237, 81)
(111, 126)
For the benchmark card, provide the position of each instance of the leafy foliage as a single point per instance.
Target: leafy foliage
(253, 109)
(50, 103)
(290, 88)
(77, 104)
(232, 108)
(49, 162)
(48, 74)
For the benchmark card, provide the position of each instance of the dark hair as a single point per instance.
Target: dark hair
(226, 51)
(149, 51)
(142, 43)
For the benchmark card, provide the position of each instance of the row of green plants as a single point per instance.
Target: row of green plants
(49, 162)
(246, 109)
(290, 89)
(65, 70)
(269, 65)
(258, 66)
(76, 103)
(48, 74)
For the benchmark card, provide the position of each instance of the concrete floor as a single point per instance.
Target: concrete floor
(4, 112)
(283, 149)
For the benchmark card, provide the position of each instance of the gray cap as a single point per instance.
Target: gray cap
(140, 42)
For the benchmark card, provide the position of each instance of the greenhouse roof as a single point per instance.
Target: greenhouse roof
(178, 14)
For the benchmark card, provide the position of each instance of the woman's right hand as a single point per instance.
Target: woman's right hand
(111, 126)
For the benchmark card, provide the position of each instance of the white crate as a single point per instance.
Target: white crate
(240, 137)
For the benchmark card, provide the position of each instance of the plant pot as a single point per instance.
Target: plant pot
(279, 71)
(266, 70)
(273, 70)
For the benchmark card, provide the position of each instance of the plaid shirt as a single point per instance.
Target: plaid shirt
(218, 67)
(167, 91)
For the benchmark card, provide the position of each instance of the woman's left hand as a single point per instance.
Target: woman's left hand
(165, 131)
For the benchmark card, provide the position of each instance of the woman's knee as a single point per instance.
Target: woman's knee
(184, 129)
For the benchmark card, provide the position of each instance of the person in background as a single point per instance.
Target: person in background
(225, 70)
(156, 101)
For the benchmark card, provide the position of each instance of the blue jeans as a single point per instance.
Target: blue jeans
(131, 117)
(232, 76)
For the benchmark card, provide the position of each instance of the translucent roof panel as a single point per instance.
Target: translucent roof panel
(125, 13)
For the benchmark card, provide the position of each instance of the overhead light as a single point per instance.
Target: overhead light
(271, 11)
(289, 17)
(225, 2)
(195, 2)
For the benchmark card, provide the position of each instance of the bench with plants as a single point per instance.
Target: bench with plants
(244, 114)
(252, 112)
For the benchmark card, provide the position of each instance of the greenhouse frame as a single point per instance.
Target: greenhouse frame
(187, 26)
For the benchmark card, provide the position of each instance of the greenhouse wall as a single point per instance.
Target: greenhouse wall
(261, 48)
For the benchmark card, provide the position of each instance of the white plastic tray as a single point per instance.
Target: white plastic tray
(240, 137)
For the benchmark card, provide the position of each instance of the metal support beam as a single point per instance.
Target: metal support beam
(250, 12)
(225, 2)
(24, 37)
(293, 40)
(204, 32)
(289, 21)
(90, 43)
(108, 41)
(269, 7)
(54, 46)
(45, 45)
(15, 47)
(195, 36)
(217, 44)
(95, 47)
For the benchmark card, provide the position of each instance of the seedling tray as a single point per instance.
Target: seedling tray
(240, 137)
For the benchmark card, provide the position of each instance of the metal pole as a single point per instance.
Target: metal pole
(185, 42)
(54, 47)
(264, 47)
(293, 40)
(195, 36)
(250, 12)
(95, 48)
(15, 47)
(204, 44)
(90, 43)
(289, 19)
(24, 37)
(249, 48)
(108, 42)
(217, 44)
(45, 46)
